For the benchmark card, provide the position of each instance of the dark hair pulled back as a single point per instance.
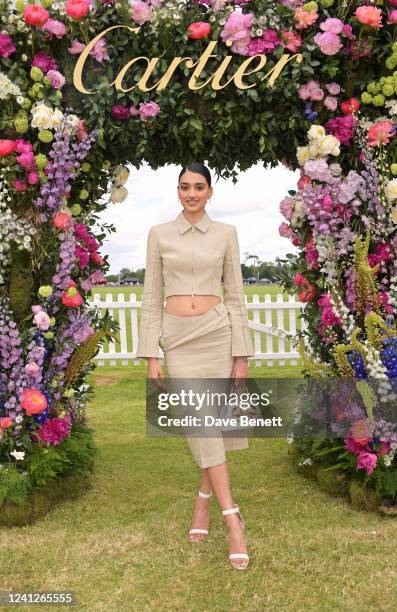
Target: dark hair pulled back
(198, 167)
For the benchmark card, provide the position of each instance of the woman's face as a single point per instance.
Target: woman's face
(193, 191)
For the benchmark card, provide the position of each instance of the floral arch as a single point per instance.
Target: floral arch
(317, 92)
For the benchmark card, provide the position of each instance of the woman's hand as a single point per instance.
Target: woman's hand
(155, 372)
(240, 372)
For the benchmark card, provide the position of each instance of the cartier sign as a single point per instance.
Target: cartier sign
(198, 66)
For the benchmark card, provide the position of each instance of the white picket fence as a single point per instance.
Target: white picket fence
(267, 329)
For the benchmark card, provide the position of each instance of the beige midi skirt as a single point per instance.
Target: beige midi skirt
(200, 347)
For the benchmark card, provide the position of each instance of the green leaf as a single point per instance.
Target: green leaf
(196, 123)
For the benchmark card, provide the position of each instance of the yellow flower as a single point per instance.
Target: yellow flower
(394, 215)
(316, 132)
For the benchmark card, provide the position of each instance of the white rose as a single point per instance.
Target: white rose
(313, 151)
(57, 118)
(73, 119)
(316, 132)
(302, 155)
(328, 145)
(119, 194)
(42, 117)
(391, 190)
(120, 175)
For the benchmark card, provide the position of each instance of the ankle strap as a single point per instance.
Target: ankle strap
(231, 510)
(206, 495)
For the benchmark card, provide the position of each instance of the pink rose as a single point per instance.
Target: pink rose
(369, 15)
(333, 88)
(120, 112)
(42, 320)
(57, 79)
(331, 103)
(148, 109)
(33, 178)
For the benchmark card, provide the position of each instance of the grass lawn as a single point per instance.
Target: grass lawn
(123, 545)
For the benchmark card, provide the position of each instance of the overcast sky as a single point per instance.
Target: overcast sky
(252, 205)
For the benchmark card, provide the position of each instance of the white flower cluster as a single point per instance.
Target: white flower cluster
(306, 461)
(387, 459)
(165, 15)
(12, 228)
(120, 176)
(7, 87)
(320, 145)
(391, 105)
(15, 23)
(341, 310)
(377, 370)
(327, 257)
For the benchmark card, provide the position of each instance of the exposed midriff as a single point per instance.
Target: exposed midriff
(188, 305)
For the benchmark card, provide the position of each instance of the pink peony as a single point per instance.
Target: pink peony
(19, 185)
(53, 431)
(57, 79)
(148, 109)
(237, 29)
(7, 47)
(379, 132)
(55, 28)
(44, 62)
(141, 12)
(35, 15)
(77, 9)
(341, 128)
(33, 401)
(367, 461)
(328, 42)
(369, 15)
(333, 25)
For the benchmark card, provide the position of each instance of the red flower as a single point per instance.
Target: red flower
(71, 297)
(350, 106)
(198, 29)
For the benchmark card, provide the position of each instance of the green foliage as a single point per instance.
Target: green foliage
(14, 486)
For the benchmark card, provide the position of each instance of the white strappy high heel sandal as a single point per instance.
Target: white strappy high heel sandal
(196, 530)
(236, 510)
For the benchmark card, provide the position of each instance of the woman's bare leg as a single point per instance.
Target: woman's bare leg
(201, 510)
(220, 483)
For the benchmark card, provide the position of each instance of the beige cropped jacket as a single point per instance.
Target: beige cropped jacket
(183, 259)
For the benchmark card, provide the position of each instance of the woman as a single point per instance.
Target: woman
(202, 336)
